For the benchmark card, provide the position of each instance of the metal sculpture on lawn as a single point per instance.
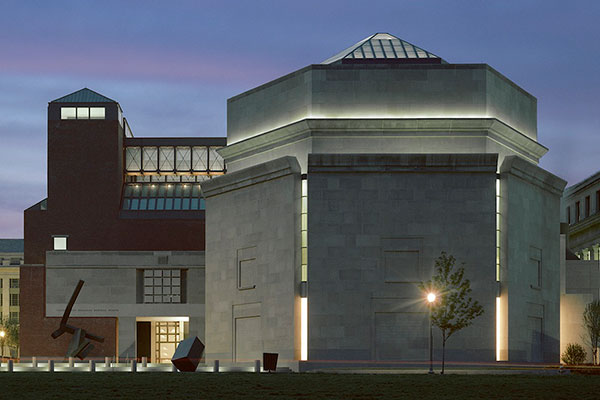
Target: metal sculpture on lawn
(188, 354)
(80, 344)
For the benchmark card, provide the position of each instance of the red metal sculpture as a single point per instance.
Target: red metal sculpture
(80, 344)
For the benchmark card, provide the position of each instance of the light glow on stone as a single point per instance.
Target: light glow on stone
(498, 329)
(303, 328)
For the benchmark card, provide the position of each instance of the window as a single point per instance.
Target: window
(14, 299)
(598, 201)
(15, 261)
(163, 286)
(14, 283)
(569, 215)
(577, 212)
(68, 113)
(82, 113)
(97, 113)
(170, 196)
(168, 336)
(14, 315)
(587, 206)
(60, 242)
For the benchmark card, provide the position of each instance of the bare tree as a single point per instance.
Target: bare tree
(453, 309)
(591, 321)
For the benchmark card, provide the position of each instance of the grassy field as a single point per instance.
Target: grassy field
(66, 386)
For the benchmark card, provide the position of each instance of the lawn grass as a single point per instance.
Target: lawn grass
(106, 385)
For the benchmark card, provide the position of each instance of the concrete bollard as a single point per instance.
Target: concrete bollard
(71, 362)
(50, 365)
(107, 362)
(34, 362)
(10, 366)
(256, 365)
(133, 366)
(216, 366)
(92, 366)
(144, 362)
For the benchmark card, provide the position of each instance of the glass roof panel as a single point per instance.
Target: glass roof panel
(381, 45)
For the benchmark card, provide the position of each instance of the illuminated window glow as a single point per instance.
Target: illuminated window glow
(60, 243)
(97, 113)
(82, 113)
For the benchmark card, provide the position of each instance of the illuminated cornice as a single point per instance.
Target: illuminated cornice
(393, 128)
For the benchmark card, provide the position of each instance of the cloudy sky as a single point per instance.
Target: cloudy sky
(173, 64)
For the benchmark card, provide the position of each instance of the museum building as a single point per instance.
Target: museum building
(345, 181)
(348, 179)
(125, 215)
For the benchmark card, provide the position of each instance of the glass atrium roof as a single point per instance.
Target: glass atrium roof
(84, 95)
(382, 46)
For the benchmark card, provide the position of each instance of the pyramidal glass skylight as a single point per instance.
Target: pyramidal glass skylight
(382, 46)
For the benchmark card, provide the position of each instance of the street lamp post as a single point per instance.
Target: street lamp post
(431, 300)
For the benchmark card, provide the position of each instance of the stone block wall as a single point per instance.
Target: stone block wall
(252, 263)
(530, 273)
(376, 224)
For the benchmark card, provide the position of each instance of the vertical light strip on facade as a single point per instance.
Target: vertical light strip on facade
(498, 230)
(304, 329)
(304, 269)
(498, 330)
(498, 238)
(501, 315)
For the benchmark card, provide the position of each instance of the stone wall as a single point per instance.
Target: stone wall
(381, 91)
(253, 264)
(530, 274)
(114, 288)
(376, 224)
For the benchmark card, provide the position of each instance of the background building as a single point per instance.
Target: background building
(11, 258)
(580, 209)
(348, 178)
(125, 215)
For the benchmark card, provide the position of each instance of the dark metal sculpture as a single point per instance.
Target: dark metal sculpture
(80, 344)
(188, 354)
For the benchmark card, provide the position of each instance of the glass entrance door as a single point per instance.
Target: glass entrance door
(167, 337)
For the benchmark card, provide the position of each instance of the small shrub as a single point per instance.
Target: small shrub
(574, 354)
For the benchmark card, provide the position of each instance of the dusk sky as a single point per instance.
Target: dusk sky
(173, 64)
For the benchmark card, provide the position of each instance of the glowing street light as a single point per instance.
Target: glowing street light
(2, 334)
(431, 299)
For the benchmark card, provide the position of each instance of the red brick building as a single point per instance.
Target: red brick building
(107, 192)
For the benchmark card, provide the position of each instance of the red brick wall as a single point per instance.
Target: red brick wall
(35, 339)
